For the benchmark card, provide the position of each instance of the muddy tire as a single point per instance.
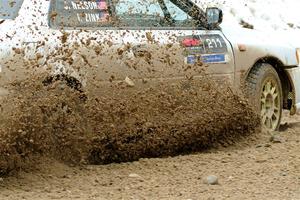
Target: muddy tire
(265, 91)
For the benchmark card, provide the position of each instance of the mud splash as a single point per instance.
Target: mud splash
(119, 126)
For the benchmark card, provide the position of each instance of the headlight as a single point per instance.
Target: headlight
(298, 55)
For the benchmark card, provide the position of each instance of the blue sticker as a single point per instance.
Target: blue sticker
(191, 59)
(216, 58)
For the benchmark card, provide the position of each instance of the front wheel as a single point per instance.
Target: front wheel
(264, 88)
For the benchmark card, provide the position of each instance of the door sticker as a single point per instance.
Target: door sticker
(210, 48)
(214, 58)
(208, 59)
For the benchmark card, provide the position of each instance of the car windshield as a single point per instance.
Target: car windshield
(122, 13)
(9, 9)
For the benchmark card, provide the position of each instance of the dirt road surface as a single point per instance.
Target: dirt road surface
(254, 168)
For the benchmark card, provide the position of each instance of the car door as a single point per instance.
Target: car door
(174, 47)
(135, 41)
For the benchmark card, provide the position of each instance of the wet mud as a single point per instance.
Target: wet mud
(121, 125)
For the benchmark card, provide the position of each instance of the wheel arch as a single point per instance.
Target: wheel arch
(288, 89)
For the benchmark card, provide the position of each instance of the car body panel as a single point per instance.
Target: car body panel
(259, 45)
(119, 47)
(109, 61)
(294, 74)
(252, 46)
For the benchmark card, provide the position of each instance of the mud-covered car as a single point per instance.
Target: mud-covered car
(104, 40)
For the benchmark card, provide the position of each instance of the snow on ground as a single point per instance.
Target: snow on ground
(278, 17)
(263, 14)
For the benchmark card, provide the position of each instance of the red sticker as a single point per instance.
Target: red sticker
(191, 42)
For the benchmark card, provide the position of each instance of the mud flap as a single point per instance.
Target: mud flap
(294, 74)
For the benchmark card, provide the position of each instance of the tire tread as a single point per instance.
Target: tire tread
(256, 75)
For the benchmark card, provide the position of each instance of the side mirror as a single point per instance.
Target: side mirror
(214, 16)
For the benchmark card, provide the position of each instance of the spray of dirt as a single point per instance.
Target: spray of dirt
(121, 121)
(120, 126)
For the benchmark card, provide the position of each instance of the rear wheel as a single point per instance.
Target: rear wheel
(264, 87)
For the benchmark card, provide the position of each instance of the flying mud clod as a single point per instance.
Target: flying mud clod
(123, 125)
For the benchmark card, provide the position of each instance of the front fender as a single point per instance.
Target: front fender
(258, 45)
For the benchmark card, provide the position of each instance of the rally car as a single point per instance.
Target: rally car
(80, 40)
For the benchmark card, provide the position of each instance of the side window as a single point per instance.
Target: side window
(80, 13)
(151, 13)
(176, 13)
(9, 9)
(138, 13)
(138, 7)
(117, 13)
